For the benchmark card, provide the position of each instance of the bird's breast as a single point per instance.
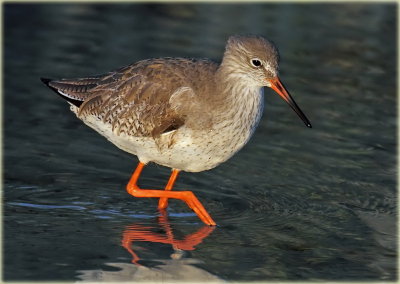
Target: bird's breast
(240, 117)
(232, 127)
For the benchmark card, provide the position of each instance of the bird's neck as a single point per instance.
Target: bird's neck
(233, 84)
(240, 100)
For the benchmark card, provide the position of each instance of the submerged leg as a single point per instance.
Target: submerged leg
(187, 196)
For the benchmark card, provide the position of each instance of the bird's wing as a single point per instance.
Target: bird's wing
(148, 98)
(189, 106)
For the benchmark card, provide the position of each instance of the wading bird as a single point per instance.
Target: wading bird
(187, 114)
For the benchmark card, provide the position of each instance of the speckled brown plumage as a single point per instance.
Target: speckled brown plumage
(139, 93)
(182, 113)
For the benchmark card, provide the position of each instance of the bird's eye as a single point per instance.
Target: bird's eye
(256, 62)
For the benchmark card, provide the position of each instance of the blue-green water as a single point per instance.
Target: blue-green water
(294, 204)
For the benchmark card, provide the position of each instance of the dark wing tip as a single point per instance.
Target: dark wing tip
(47, 81)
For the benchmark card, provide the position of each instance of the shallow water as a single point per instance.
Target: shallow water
(294, 204)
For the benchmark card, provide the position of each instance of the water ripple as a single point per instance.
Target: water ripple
(44, 206)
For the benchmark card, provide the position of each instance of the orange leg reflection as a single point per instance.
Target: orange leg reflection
(145, 234)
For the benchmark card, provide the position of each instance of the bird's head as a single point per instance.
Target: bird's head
(254, 61)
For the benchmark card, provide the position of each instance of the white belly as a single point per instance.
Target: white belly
(187, 149)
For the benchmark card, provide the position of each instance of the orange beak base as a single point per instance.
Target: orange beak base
(278, 87)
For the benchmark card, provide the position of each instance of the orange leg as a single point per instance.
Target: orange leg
(163, 202)
(187, 196)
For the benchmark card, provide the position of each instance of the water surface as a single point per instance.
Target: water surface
(294, 204)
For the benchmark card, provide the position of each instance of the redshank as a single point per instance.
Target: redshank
(187, 114)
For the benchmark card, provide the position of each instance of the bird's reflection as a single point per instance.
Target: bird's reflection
(140, 233)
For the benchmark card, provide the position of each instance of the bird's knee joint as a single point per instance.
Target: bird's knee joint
(189, 194)
(133, 190)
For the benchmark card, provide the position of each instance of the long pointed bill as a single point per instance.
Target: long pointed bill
(278, 87)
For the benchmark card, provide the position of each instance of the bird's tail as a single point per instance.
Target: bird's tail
(74, 91)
